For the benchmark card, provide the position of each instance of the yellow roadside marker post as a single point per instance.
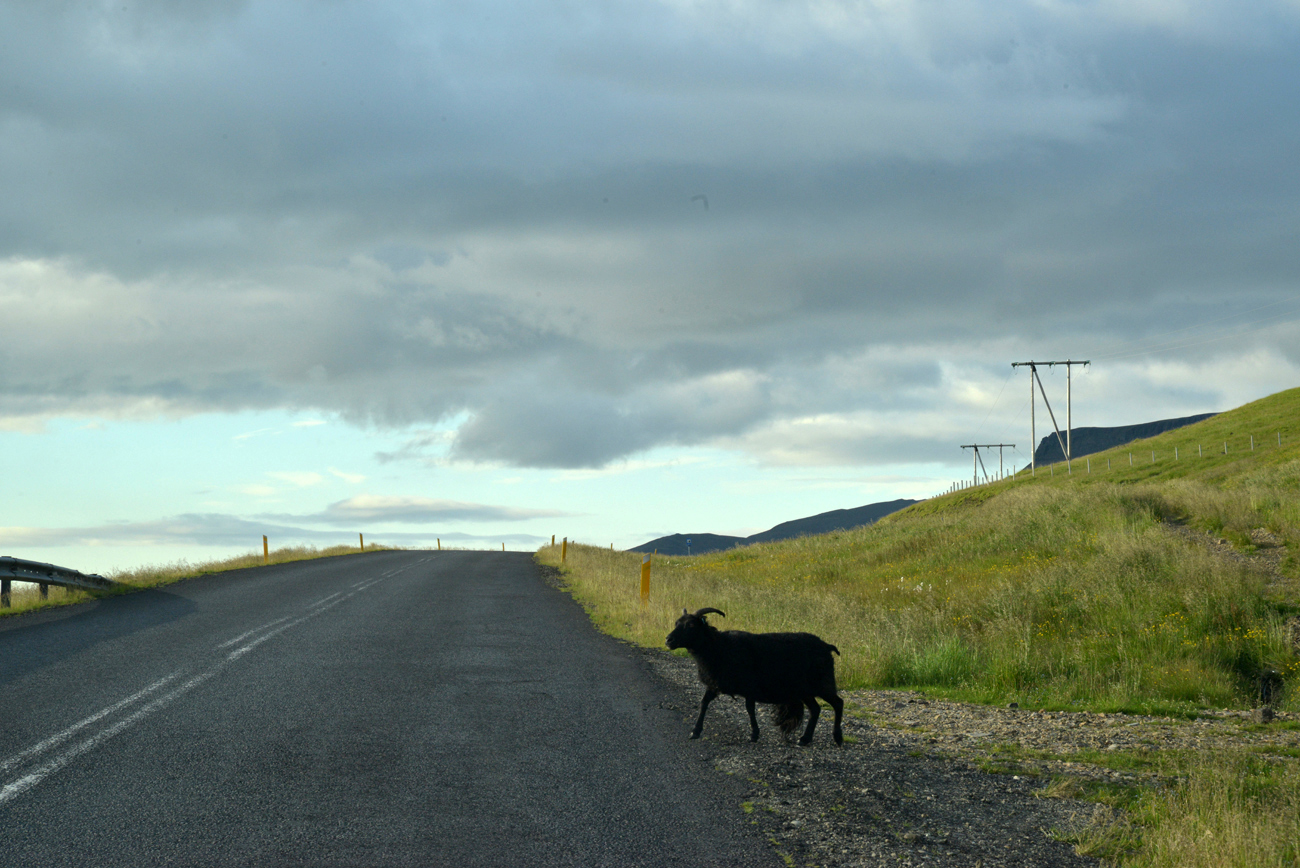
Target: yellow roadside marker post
(439, 544)
(266, 551)
(363, 541)
(564, 549)
(645, 580)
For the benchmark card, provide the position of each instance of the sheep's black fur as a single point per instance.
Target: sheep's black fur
(786, 670)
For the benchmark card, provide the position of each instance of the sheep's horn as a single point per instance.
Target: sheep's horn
(703, 612)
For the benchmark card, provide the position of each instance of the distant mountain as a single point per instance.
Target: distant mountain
(836, 519)
(1086, 441)
(700, 543)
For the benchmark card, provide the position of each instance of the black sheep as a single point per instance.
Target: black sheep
(787, 670)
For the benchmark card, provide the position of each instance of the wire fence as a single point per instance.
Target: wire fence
(1129, 459)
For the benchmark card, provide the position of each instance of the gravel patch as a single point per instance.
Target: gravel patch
(913, 786)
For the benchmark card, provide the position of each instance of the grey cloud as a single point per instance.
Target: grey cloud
(559, 428)
(413, 510)
(405, 213)
(555, 430)
(836, 447)
(215, 529)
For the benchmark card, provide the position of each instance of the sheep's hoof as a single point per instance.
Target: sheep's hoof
(804, 742)
(695, 735)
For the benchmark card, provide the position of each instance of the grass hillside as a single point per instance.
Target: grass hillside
(1272, 424)
(1060, 590)
(1166, 582)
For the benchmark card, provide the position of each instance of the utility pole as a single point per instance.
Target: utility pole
(1064, 442)
(977, 462)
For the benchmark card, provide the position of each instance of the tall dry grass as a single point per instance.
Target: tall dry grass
(1231, 810)
(1048, 596)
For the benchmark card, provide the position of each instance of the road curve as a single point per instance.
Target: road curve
(392, 708)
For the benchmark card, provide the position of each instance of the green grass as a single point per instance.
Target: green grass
(1230, 809)
(29, 598)
(1200, 449)
(1052, 597)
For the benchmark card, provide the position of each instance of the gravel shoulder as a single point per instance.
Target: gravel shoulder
(922, 781)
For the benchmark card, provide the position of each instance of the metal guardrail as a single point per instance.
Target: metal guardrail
(19, 570)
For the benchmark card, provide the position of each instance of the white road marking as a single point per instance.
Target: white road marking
(31, 779)
(323, 600)
(17, 787)
(244, 649)
(248, 633)
(60, 737)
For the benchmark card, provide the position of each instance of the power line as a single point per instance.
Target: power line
(977, 464)
(1241, 330)
(995, 402)
(1146, 347)
(1069, 422)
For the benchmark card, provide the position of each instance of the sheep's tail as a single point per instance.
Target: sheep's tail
(788, 716)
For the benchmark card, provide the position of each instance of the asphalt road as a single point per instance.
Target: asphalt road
(394, 708)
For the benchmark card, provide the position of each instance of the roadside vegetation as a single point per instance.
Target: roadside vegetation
(28, 598)
(1138, 582)
(1224, 809)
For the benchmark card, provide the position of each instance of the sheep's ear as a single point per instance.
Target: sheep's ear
(684, 612)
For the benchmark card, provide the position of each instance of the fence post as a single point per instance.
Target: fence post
(266, 551)
(439, 543)
(1175, 453)
(645, 580)
(564, 550)
(4, 593)
(45, 591)
(363, 541)
(1252, 442)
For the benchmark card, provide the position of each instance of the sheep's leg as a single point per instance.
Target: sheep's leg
(838, 705)
(709, 696)
(839, 712)
(814, 712)
(753, 721)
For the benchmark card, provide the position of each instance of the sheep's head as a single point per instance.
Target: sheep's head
(691, 629)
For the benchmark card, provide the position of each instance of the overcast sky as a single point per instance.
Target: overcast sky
(487, 272)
